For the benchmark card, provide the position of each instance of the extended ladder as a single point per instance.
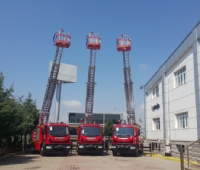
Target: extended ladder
(128, 87)
(90, 87)
(50, 89)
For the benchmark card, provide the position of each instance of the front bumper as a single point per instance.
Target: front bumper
(124, 148)
(57, 148)
(92, 148)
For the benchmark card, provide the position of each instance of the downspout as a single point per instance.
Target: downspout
(145, 114)
(169, 127)
(165, 125)
(163, 103)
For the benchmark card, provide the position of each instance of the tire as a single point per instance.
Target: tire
(140, 151)
(100, 153)
(42, 152)
(136, 152)
(78, 152)
(114, 154)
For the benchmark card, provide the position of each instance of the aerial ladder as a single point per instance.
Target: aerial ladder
(126, 137)
(90, 134)
(61, 40)
(52, 137)
(93, 42)
(124, 46)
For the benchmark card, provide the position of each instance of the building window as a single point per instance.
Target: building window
(156, 124)
(182, 120)
(114, 117)
(179, 148)
(180, 77)
(155, 145)
(155, 92)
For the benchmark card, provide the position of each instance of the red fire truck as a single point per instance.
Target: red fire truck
(52, 137)
(89, 134)
(90, 139)
(126, 139)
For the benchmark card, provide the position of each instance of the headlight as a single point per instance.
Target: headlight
(48, 147)
(67, 146)
(81, 146)
(132, 147)
(99, 146)
(113, 146)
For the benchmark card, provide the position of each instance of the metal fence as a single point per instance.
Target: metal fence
(190, 154)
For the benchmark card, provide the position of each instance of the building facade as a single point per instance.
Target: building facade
(172, 97)
(99, 118)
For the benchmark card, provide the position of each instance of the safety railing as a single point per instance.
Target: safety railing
(191, 155)
(148, 149)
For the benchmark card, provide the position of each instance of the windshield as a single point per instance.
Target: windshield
(60, 131)
(90, 131)
(123, 132)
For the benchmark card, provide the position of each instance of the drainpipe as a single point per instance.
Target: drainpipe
(145, 134)
(165, 125)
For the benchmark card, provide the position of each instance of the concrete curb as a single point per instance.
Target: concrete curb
(168, 158)
(10, 154)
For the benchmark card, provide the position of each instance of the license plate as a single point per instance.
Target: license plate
(89, 146)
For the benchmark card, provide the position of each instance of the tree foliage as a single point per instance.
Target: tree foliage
(18, 116)
(108, 129)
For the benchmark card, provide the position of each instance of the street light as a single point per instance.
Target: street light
(141, 87)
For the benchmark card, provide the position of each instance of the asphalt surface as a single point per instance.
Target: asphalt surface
(85, 162)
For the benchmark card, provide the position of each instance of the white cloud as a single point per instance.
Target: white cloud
(72, 103)
(142, 66)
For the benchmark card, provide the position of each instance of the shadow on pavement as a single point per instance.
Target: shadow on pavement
(95, 154)
(17, 159)
(129, 155)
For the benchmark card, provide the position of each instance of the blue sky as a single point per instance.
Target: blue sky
(27, 28)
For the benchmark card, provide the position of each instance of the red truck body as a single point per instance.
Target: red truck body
(126, 139)
(90, 139)
(51, 138)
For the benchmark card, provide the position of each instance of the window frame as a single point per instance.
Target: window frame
(182, 120)
(155, 92)
(180, 77)
(155, 123)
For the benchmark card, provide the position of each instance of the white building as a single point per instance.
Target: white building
(172, 97)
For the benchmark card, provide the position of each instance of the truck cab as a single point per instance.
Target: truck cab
(125, 139)
(89, 139)
(51, 138)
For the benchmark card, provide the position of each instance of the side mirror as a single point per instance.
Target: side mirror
(79, 130)
(138, 132)
(42, 131)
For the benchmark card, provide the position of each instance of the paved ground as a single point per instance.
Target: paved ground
(85, 162)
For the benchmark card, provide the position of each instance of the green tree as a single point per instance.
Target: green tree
(17, 116)
(30, 115)
(7, 112)
(108, 129)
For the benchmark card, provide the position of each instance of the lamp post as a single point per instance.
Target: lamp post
(142, 88)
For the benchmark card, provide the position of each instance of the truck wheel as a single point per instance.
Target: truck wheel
(136, 152)
(140, 151)
(100, 153)
(114, 154)
(42, 152)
